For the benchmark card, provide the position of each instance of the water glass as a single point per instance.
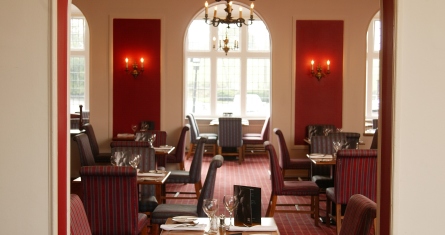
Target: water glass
(210, 207)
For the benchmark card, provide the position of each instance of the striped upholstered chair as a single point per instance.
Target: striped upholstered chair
(147, 202)
(78, 218)
(195, 135)
(179, 155)
(356, 173)
(257, 138)
(359, 216)
(287, 163)
(103, 157)
(230, 135)
(289, 188)
(375, 139)
(110, 196)
(192, 176)
(165, 211)
(85, 152)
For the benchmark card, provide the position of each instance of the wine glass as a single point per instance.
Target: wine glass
(116, 158)
(134, 161)
(134, 127)
(210, 207)
(230, 202)
(337, 145)
(151, 139)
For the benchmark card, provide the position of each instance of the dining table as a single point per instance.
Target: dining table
(323, 159)
(156, 178)
(267, 227)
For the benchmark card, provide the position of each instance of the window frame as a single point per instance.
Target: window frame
(371, 56)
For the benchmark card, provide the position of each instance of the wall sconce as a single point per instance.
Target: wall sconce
(319, 73)
(135, 72)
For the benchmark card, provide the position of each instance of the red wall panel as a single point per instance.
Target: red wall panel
(136, 99)
(318, 102)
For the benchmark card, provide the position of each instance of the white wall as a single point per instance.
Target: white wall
(419, 118)
(25, 99)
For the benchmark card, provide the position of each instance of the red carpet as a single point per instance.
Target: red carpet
(254, 171)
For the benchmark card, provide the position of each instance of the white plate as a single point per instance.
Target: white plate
(184, 219)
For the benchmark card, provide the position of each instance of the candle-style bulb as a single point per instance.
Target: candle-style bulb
(206, 7)
(329, 63)
(312, 64)
(142, 63)
(251, 9)
(126, 63)
(240, 12)
(214, 12)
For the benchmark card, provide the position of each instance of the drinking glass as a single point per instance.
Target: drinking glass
(210, 207)
(116, 158)
(336, 145)
(230, 202)
(134, 127)
(134, 160)
(151, 139)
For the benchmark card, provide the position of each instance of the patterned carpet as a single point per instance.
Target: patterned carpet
(254, 171)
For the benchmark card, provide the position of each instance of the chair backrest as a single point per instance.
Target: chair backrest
(230, 132)
(180, 147)
(85, 153)
(375, 139)
(352, 138)
(359, 216)
(147, 159)
(318, 129)
(92, 138)
(265, 130)
(284, 159)
(196, 165)
(275, 169)
(194, 131)
(323, 144)
(161, 137)
(78, 218)
(111, 199)
(356, 173)
(209, 183)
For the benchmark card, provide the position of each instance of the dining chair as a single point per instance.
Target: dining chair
(230, 135)
(195, 135)
(110, 196)
(78, 218)
(375, 139)
(322, 174)
(289, 188)
(192, 176)
(165, 211)
(179, 154)
(285, 161)
(256, 138)
(355, 173)
(99, 157)
(147, 199)
(85, 152)
(359, 216)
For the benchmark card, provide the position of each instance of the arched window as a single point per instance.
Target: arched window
(373, 68)
(79, 60)
(237, 82)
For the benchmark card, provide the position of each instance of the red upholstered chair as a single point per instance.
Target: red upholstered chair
(287, 163)
(356, 173)
(179, 155)
(230, 135)
(98, 157)
(289, 188)
(165, 211)
(359, 216)
(78, 218)
(195, 135)
(257, 138)
(110, 196)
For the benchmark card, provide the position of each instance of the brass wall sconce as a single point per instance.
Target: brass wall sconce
(319, 71)
(135, 72)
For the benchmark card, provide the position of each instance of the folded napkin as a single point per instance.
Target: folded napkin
(254, 228)
(198, 227)
(125, 135)
(319, 155)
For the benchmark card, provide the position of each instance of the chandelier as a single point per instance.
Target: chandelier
(240, 21)
(215, 21)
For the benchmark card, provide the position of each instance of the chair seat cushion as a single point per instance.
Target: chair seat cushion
(208, 134)
(148, 204)
(210, 140)
(253, 140)
(165, 211)
(323, 181)
(330, 193)
(179, 176)
(299, 188)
